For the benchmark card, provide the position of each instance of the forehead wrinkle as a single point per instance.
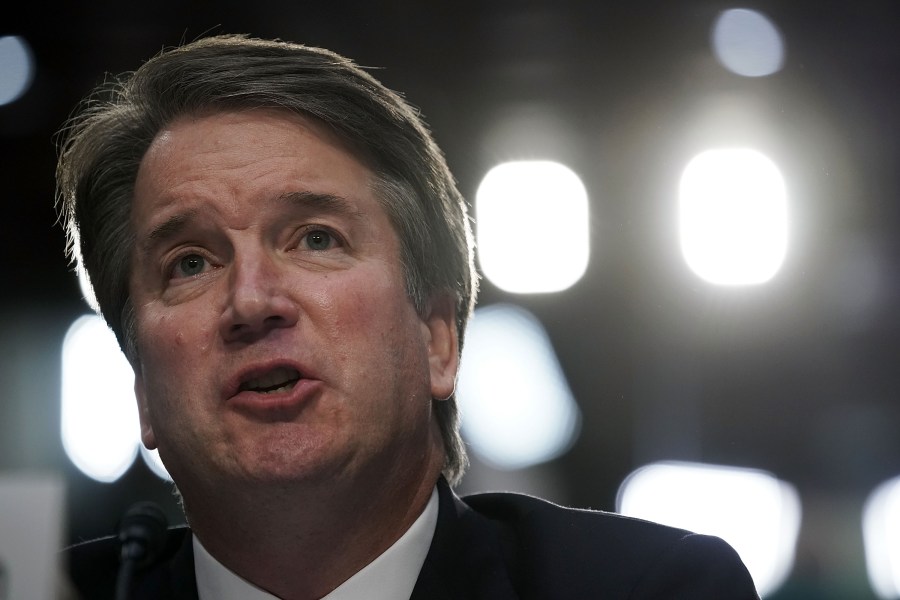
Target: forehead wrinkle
(328, 203)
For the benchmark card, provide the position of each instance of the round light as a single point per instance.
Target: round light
(747, 43)
(16, 68)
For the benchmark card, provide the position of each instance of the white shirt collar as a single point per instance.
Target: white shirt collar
(391, 576)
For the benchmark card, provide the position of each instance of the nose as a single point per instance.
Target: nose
(259, 299)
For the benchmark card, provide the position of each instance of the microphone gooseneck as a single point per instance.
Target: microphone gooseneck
(142, 537)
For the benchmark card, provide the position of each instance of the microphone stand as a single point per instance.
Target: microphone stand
(142, 535)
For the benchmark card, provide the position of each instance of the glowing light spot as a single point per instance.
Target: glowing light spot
(100, 431)
(533, 231)
(747, 43)
(516, 406)
(751, 510)
(881, 536)
(733, 217)
(16, 68)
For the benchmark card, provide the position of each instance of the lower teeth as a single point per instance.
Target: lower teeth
(283, 388)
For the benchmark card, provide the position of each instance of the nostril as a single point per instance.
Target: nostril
(248, 330)
(275, 320)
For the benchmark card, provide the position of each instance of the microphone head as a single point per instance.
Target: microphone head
(142, 533)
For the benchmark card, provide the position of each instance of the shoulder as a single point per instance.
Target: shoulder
(596, 550)
(530, 511)
(538, 524)
(93, 566)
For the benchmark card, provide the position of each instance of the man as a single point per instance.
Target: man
(286, 262)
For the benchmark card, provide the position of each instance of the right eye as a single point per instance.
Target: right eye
(189, 265)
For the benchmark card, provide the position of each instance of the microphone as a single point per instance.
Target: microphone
(142, 537)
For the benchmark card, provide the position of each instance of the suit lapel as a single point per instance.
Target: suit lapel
(465, 560)
(182, 574)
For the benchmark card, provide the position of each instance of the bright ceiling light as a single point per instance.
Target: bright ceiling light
(100, 431)
(532, 226)
(881, 534)
(517, 409)
(733, 216)
(747, 43)
(16, 68)
(751, 510)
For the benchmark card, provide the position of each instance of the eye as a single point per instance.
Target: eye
(189, 266)
(319, 239)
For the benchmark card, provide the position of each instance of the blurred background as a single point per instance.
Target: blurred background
(664, 362)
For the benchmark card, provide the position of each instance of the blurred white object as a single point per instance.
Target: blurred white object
(100, 427)
(31, 535)
(16, 68)
(733, 216)
(747, 43)
(751, 510)
(881, 534)
(533, 233)
(517, 409)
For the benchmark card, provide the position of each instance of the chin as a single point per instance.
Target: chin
(290, 461)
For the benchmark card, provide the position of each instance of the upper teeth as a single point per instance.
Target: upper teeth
(278, 378)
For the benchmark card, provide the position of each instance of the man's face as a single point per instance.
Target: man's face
(276, 338)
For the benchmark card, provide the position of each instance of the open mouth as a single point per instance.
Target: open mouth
(277, 380)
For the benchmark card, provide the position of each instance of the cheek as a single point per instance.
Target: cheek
(173, 329)
(171, 348)
(354, 307)
(376, 316)
(372, 326)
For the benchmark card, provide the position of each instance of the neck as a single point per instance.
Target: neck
(299, 541)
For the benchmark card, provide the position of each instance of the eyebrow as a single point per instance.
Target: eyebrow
(328, 203)
(167, 229)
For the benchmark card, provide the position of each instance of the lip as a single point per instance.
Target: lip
(272, 402)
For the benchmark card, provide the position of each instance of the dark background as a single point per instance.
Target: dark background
(797, 377)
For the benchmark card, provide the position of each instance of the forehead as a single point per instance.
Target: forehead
(234, 159)
(234, 139)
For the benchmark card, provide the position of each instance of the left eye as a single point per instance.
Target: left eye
(189, 265)
(318, 239)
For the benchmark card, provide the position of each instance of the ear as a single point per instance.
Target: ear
(140, 393)
(443, 345)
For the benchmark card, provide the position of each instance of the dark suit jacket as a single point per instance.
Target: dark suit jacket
(496, 547)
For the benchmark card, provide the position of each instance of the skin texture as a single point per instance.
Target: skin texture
(261, 249)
